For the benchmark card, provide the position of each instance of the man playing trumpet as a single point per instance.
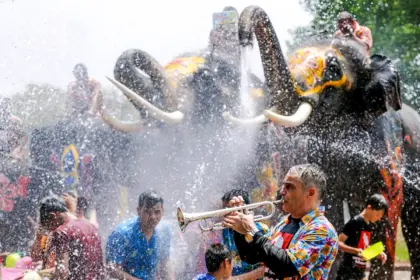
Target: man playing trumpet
(304, 244)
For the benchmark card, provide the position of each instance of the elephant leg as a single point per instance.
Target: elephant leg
(411, 228)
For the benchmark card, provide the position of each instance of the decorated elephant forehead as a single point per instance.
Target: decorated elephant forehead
(181, 67)
(307, 67)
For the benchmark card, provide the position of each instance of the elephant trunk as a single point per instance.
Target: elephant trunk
(284, 100)
(144, 82)
(254, 20)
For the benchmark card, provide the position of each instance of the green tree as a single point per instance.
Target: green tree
(395, 26)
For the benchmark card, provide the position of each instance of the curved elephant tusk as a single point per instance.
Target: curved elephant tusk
(120, 125)
(253, 121)
(116, 123)
(169, 118)
(298, 118)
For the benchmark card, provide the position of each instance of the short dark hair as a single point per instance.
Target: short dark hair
(377, 202)
(51, 204)
(345, 15)
(215, 255)
(149, 199)
(82, 204)
(236, 192)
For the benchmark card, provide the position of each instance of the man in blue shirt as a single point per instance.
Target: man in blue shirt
(218, 263)
(239, 267)
(140, 247)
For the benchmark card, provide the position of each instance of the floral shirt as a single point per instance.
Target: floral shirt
(314, 246)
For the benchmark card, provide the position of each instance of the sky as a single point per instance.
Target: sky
(41, 40)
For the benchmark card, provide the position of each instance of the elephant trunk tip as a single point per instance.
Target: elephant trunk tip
(246, 42)
(246, 38)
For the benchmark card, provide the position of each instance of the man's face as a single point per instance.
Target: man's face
(294, 194)
(374, 215)
(150, 217)
(342, 24)
(57, 219)
(227, 267)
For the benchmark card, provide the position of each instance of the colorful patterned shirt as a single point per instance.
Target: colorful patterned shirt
(314, 246)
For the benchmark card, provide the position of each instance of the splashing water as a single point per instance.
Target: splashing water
(247, 104)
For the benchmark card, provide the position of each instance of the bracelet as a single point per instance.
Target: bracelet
(249, 236)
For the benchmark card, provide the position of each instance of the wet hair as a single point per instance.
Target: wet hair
(236, 192)
(311, 175)
(148, 199)
(80, 70)
(82, 204)
(345, 15)
(377, 202)
(215, 256)
(51, 204)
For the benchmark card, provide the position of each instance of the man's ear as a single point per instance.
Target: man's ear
(312, 191)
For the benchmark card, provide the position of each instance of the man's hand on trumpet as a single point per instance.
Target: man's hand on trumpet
(238, 221)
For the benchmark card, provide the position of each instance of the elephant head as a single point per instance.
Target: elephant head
(145, 83)
(195, 86)
(333, 76)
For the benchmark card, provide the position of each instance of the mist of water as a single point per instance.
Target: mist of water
(247, 104)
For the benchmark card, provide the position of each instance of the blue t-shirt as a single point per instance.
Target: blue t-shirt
(204, 277)
(127, 246)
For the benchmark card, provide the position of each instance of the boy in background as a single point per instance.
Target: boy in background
(218, 263)
(356, 237)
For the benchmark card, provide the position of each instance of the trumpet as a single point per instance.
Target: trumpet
(184, 219)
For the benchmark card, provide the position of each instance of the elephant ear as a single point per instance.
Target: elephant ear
(383, 91)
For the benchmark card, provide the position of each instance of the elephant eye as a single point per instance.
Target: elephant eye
(300, 84)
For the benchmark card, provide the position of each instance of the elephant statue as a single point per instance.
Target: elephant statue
(181, 106)
(181, 145)
(333, 106)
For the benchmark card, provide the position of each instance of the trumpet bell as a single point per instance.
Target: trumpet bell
(181, 220)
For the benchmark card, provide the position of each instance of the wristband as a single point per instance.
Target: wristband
(249, 237)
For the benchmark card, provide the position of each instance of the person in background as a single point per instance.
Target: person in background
(218, 263)
(70, 236)
(240, 268)
(12, 135)
(350, 28)
(304, 244)
(356, 236)
(140, 247)
(83, 92)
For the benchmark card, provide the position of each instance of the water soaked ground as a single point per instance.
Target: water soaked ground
(402, 275)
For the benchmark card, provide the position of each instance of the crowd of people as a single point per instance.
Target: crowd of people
(303, 244)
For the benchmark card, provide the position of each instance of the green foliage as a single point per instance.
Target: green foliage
(395, 26)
